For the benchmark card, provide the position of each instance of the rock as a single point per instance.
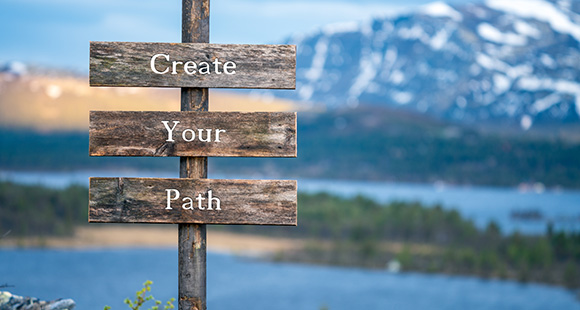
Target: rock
(9, 301)
(15, 68)
(394, 266)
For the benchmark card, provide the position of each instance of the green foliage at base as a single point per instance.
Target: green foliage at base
(141, 298)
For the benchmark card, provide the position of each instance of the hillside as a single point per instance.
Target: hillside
(367, 143)
(497, 62)
(374, 143)
(43, 126)
(335, 231)
(61, 102)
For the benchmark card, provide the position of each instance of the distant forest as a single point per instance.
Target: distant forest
(347, 232)
(363, 144)
(33, 210)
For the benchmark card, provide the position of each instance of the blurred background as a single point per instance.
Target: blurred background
(438, 156)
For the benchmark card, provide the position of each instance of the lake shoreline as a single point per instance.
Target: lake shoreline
(153, 236)
(556, 206)
(336, 231)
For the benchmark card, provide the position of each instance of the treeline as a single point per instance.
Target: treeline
(31, 210)
(380, 144)
(349, 232)
(64, 151)
(365, 143)
(361, 232)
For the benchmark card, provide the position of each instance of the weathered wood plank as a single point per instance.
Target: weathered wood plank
(210, 65)
(228, 134)
(145, 200)
(192, 240)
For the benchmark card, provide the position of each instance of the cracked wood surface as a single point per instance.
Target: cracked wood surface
(192, 237)
(144, 200)
(258, 134)
(129, 64)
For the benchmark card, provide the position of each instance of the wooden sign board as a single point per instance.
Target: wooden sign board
(200, 201)
(192, 65)
(223, 134)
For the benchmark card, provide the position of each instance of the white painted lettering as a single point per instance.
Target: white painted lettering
(176, 194)
(217, 134)
(207, 137)
(183, 135)
(211, 199)
(199, 198)
(188, 205)
(153, 68)
(213, 203)
(188, 134)
(175, 63)
(170, 130)
(190, 67)
(217, 64)
(205, 69)
(230, 65)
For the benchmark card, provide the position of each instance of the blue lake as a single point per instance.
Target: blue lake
(95, 278)
(480, 204)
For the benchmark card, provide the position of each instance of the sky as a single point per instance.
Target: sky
(56, 33)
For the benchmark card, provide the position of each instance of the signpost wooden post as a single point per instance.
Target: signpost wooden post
(192, 237)
(223, 134)
(192, 65)
(192, 201)
(197, 201)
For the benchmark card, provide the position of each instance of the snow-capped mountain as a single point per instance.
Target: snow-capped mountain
(507, 60)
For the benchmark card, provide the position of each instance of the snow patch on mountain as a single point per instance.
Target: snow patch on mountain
(528, 30)
(547, 102)
(337, 28)
(438, 41)
(501, 83)
(441, 9)
(368, 71)
(318, 60)
(539, 10)
(402, 97)
(560, 86)
(493, 34)
(495, 64)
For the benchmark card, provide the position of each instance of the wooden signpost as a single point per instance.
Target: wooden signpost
(192, 65)
(192, 201)
(224, 134)
(199, 201)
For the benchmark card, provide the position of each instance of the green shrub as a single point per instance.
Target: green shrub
(141, 298)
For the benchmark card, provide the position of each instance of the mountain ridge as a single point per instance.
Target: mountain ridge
(501, 62)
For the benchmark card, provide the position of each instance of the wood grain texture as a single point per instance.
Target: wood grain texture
(258, 134)
(144, 200)
(129, 64)
(192, 237)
